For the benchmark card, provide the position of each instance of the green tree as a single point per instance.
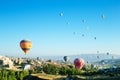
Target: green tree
(17, 74)
(21, 76)
(37, 70)
(50, 69)
(11, 75)
(63, 70)
(3, 74)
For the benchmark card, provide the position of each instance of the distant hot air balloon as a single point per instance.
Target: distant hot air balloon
(66, 58)
(83, 35)
(97, 51)
(95, 38)
(68, 23)
(83, 20)
(25, 45)
(102, 16)
(112, 57)
(87, 62)
(38, 58)
(61, 14)
(79, 63)
(98, 57)
(107, 53)
(74, 33)
(102, 62)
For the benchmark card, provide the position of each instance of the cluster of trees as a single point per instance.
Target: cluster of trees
(53, 69)
(87, 70)
(13, 75)
(68, 70)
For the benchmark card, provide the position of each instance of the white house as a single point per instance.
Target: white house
(27, 67)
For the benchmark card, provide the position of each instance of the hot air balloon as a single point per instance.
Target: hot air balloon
(95, 38)
(107, 53)
(66, 58)
(25, 45)
(83, 20)
(38, 58)
(103, 62)
(102, 16)
(97, 51)
(79, 63)
(61, 14)
(74, 33)
(83, 35)
(87, 62)
(68, 23)
(112, 57)
(98, 57)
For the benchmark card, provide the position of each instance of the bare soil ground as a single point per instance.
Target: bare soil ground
(74, 77)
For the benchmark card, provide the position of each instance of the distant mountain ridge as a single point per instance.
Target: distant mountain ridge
(97, 57)
(87, 57)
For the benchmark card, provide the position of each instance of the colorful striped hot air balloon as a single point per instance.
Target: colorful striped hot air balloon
(25, 45)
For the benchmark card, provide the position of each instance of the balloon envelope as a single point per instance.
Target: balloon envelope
(25, 45)
(61, 14)
(74, 33)
(97, 51)
(95, 38)
(102, 16)
(107, 53)
(83, 35)
(98, 57)
(79, 63)
(68, 23)
(83, 20)
(66, 58)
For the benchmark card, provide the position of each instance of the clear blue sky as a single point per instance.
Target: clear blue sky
(39, 21)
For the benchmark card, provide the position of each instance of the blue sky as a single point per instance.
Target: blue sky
(39, 21)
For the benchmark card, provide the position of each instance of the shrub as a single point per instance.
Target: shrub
(3, 74)
(50, 69)
(11, 75)
(36, 70)
(69, 71)
(74, 71)
(63, 70)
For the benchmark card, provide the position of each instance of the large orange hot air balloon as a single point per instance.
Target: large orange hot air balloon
(25, 45)
(79, 63)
